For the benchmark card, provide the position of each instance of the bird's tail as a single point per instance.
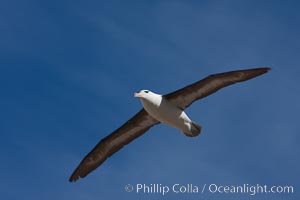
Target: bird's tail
(195, 130)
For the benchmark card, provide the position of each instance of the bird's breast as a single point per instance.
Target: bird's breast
(164, 112)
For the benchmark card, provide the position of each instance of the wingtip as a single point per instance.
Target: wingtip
(74, 177)
(268, 69)
(264, 69)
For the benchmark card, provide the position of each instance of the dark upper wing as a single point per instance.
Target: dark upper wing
(132, 129)
(187, 95)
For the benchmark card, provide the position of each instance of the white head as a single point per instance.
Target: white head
(146, 95)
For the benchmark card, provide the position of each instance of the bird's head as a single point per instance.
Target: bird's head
(143, 94)
(148, 96)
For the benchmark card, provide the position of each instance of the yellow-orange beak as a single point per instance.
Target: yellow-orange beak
(138, 95)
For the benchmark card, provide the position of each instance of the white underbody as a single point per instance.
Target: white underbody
(165, 112)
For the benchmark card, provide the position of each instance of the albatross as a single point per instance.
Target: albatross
(157, 108)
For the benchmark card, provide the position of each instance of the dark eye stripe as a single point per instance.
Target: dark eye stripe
(146, 91)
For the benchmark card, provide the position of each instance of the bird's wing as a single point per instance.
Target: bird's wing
(132, 129)
(187, 95)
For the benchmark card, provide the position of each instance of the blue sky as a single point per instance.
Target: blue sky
(68, 70)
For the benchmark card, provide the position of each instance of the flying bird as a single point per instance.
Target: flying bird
(167, 109)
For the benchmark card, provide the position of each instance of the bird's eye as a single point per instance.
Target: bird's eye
(146, 91)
